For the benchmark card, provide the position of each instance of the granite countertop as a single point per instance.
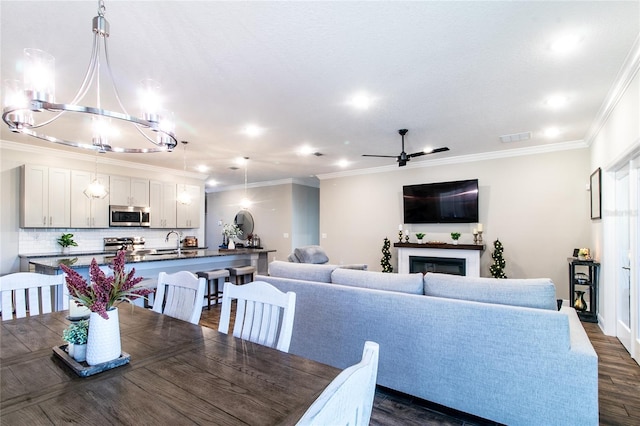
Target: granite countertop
(84, 260)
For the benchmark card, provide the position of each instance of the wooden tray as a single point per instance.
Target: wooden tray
(83, 369)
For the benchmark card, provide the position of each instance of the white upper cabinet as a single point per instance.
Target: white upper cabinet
(188, 215)
(45, 197)
(88, 212)
(162, 201)
(128, 191)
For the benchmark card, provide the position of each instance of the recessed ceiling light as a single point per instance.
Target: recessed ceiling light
(565, 43)
(240, 161)
(212, 182)
(552, 132)
(361, 101)
(252, 130)
(202, 168)
(557, 101)
(305, 150)
(343, 163)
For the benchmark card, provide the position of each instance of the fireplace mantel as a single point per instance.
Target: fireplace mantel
(470, 252)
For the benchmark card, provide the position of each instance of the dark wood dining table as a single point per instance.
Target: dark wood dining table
(179, 373)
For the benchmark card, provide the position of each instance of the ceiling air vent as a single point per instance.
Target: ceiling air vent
(515, 137)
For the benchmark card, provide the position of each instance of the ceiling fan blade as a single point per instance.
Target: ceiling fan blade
(444, 148)
(418, 154)
(381, 156)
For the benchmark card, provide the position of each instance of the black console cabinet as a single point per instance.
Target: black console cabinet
(583, 288)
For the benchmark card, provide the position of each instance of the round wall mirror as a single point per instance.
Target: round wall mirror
(244, 220)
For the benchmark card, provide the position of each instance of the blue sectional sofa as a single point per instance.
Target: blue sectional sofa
(498, 349)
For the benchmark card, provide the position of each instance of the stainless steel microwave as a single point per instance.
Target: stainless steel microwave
(128, 216)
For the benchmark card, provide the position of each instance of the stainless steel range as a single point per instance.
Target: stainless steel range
(133, 245)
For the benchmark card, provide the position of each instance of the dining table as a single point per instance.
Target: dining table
(178, 373)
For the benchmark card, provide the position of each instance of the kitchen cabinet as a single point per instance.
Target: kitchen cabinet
(88, 212)
(162, 201)
(45, 197)
(128, 191)
(188, 215)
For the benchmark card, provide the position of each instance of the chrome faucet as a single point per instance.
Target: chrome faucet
(177, 243)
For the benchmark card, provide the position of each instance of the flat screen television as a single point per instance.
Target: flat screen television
(441, 202)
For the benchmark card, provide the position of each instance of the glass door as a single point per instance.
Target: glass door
(623, 281)
(627, 202)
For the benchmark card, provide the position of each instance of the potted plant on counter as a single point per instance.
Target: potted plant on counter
(231, 231)
(454, 237)
(420, 236)
(66, 241)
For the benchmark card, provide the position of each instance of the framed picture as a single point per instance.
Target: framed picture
(596, 194)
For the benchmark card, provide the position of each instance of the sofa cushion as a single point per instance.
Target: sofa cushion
(358, 266)
(311, 254)
(403, 283)
(301, 271)
(531, 293)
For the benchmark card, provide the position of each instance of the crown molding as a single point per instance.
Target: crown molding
(79, 156)
(625, 76)
(311, 181)
(507, 153)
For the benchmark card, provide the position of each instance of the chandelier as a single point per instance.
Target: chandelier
(34, 96)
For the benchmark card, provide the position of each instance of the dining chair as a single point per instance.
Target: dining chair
(348, 400)
(32, 293)
(264, 314)
(180, 295)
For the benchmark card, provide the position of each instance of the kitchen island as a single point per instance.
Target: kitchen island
(149, 264)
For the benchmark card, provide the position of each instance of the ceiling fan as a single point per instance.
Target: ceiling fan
(403, 158)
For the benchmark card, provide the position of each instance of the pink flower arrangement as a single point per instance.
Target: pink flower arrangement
(104, 291)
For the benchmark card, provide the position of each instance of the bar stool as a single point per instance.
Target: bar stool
(147, 302)
(241, 274)
(216, 278)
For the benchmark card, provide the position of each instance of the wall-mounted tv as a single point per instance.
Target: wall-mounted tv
(441, 202)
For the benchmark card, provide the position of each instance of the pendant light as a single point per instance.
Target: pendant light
(184, 197)
(245, 203)
(96, 189)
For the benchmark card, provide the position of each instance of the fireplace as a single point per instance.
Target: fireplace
(442, 265)
(461, 259)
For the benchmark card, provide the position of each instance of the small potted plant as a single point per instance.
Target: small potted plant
(420, 236)
(66, 241)
(231, 231)
(454, 237)
(76, 335)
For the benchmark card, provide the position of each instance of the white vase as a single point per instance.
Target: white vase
(66, 250)
(232, 244)
(103, 342)
(79, 352)
(455, 242)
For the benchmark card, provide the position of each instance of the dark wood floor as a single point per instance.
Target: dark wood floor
(618, 387)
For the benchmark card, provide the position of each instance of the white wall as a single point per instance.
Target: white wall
(537, 205)
(15, 241)
(271, 210)
(618, 138)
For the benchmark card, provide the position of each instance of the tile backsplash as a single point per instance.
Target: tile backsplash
(43, 241)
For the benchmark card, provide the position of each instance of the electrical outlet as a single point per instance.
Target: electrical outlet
(324, 236)
(285, 235)
(220, 222)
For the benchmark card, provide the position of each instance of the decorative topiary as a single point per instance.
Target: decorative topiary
(386, 257)
(497, 269)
